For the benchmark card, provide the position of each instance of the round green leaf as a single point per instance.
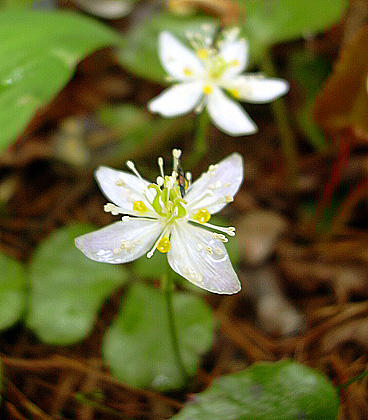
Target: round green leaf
(67, 288)
(139, 53)
(137, 347)
(283, 390)
(39, 52)
(13, 293)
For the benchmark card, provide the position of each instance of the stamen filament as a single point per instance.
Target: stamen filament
(166, 232)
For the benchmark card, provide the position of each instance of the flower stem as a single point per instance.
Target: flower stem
(288, 141)
(352, 380)
(331, 186)
(200, 144)
(167, 285)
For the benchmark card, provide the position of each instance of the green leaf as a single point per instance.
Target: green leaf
(266, 391)
(269, 22)
(139, 53)
(67, 288)
(137, 347)
(13, 293)
(39, 52)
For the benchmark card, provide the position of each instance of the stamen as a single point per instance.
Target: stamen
(202, 53)
(164, 245)
(188, 71)
(165, 233)
(207, 89)
(161, 166)
(111, 208)
(139, 207)
(228, 230)
(220, 236)
(160, 181)
(202, 215)
(176, 156)
(209, 250)
(188, 177)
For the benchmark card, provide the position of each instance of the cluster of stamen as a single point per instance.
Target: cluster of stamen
(169, 205)
(207, 46)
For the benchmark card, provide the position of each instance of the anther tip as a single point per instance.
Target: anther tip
(130, 164)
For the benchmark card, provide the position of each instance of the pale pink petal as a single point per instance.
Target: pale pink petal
(223, 179)
(122, 188)
(104, 245)
(201, 259)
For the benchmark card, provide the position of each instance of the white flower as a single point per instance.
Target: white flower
(170, 216)
(202, 76)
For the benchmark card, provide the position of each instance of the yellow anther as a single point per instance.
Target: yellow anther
(202, 54)
(164, 245)
(207, 89)
(235, 63)
(234, 92)
(202, 216)
(139, 206)
(188, 71)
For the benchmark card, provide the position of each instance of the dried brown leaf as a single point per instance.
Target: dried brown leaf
(344, 100)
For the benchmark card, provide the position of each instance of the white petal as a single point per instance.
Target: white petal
(121, 195)
(257, 89)
(202, 260)
(236, 52)
(226, 177)
(177, 100)
(228, 115)
(102, 245)
(176, 57)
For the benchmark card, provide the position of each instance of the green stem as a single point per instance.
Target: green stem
(200, 144)
(356, 378)
(288, 140)
(168, 287)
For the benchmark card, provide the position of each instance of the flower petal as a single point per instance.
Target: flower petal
(178, 60)
(177, 100)
(226, 177)
(202, 259)
(235, 52)
(228, 115)
(257, 89)
(121, 188)
(104, 245)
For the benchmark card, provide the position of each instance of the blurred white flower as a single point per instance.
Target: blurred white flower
(170, 216)
(204, 73)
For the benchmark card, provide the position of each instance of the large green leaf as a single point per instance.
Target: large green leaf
(137, 347)
(67, 288)
(266, 391)
(13, 293)
(38, 54)
(268, 22)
